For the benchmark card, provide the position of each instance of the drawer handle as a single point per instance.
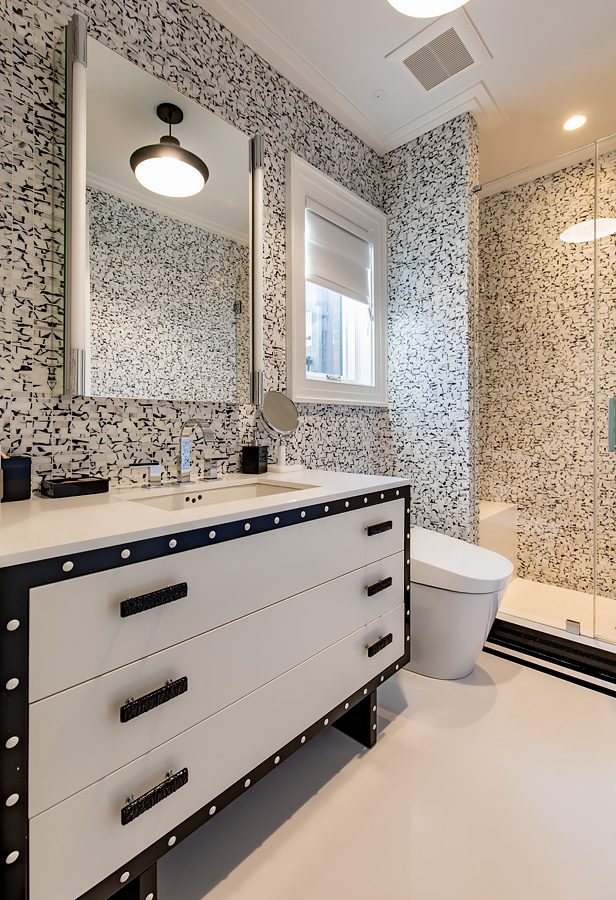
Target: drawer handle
(134, 605)
(137, 807)
(379, 645)
(379, 528)
(379, 586)
(134, 708)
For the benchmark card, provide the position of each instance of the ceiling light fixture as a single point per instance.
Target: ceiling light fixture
(584, 232)
(426, 9)
(574, 122)
(166, 168)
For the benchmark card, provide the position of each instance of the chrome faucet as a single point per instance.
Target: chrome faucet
(153, 473)
(186, 436)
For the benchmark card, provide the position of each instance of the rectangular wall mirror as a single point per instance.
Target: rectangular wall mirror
(160, 306)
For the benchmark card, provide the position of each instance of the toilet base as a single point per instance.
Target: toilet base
(440, 674)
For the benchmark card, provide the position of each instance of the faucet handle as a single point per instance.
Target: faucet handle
(154, 472)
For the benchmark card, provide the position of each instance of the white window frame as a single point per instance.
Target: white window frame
(306, 186)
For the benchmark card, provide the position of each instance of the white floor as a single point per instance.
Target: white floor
(498, 787)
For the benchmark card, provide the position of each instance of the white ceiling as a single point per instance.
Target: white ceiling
(547, 59)
(121, 116)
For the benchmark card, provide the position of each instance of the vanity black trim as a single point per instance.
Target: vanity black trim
(15, 584)
(555, 650)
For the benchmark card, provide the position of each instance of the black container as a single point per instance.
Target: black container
(74, 487)
(16, 478)
(254, 459)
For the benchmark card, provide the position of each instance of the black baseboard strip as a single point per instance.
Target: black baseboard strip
(565, 676)
(589, 661)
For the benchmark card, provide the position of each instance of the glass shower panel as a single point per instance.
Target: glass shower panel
(536, 386)
(605, 608)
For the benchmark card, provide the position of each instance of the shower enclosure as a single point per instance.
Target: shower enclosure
(546, 387)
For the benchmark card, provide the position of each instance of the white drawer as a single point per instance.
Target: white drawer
(76, 843)
(76, 736)
(76, 631)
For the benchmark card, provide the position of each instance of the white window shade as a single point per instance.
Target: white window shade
(338, 259)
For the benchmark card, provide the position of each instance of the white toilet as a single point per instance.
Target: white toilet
(456, 590)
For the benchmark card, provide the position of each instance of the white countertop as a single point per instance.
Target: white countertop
(44, 527)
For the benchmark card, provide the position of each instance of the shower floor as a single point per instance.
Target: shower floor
(550, 605)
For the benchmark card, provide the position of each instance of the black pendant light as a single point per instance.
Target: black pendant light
(166, 168)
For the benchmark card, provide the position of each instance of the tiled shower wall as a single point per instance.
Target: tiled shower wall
(537, 382)
(432, 240)
(181, 43)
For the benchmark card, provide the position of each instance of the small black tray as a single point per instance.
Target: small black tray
(74, 487)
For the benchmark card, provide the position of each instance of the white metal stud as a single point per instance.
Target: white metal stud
(13, 625)
(374, 709)
(326, 508)
(277, 520)
(374, 727)
(303, 740)
(12, 800)
(149, 896)
(303, 514)
(173, 543)
(365, 499)
(125, 553)
(276, 760)
(397, 493)
(67, 566)
(326, 721)
(124, 877)
(346, 705)
(247, 782)
(382, 496)
(397, 667)
(347, 504)
(212, 810)
(12, 683)
(12, 857)
(382, 678)
(171, 841)
(247, 526)
(212, 535)
(12, 742)
(365, 691)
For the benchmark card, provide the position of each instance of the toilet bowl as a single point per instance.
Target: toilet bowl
(456, 590)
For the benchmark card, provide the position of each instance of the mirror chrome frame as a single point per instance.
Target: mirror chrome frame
(75, 233)
(257, 162)
(76, 313)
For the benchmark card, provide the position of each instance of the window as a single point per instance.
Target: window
(336, 292)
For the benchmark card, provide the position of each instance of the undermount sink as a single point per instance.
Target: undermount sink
(210, 495)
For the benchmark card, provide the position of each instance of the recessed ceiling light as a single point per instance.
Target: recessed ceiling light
(584, 232)
(574, 122)
(426, 9)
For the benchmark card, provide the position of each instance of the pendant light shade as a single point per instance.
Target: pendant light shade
(426, 9)
(166, 168)
(589, 230)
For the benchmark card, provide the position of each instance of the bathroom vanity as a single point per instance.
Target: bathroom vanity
(163, 649)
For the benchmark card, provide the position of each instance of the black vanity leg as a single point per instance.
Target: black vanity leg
(142, 888)
(359, 722)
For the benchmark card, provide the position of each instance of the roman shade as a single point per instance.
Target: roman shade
(338, 259)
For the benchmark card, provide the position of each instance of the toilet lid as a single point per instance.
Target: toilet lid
(444, 562)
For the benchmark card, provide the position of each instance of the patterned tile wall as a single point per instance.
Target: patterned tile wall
(432, 237)
(162, 305)
(179, 42)
(537, 389)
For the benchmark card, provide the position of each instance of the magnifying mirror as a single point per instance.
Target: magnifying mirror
(280, 417)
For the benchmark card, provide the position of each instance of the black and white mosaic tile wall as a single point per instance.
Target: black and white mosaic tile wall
(537, 384)
(432, 237)
(181, 43)
(162, 304)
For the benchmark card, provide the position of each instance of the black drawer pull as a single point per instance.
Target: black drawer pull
(379, 645)
(379, 586)
(134, 708)
(379, 528)
(137, 807)
(134, 605)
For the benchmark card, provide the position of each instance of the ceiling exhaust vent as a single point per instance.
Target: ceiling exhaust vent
(437, 61)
